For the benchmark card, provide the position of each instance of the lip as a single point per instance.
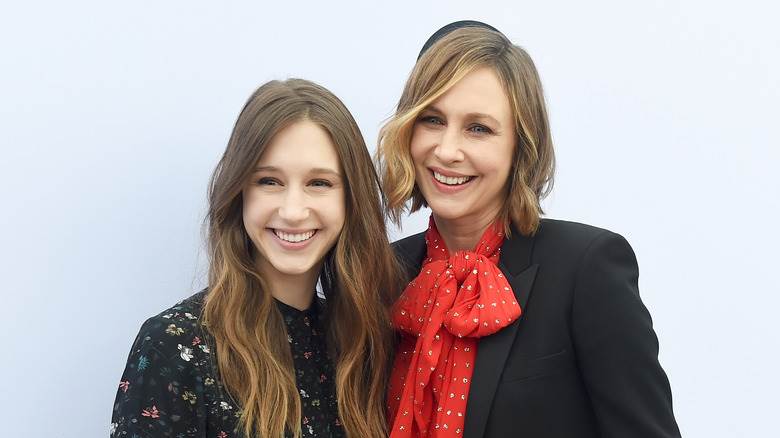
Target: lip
(448, 173)
(291, 245)
(447, 189)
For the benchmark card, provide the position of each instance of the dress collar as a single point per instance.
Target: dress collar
(291, 312)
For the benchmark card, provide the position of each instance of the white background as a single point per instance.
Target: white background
(113, 114)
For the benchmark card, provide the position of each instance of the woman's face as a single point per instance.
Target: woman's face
(462, 147)
(294, 201)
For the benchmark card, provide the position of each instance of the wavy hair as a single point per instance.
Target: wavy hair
(439, 68)
(360, 275)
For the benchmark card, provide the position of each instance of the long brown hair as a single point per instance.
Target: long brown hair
(255, 362)
(438, 69)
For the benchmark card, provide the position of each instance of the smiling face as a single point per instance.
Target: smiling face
(462, 148)
(293, 205)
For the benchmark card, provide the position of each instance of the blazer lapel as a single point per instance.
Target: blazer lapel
(492, 351)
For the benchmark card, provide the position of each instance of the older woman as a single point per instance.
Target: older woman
(514, 325)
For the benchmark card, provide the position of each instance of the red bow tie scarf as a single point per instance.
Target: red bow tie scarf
(455, 300)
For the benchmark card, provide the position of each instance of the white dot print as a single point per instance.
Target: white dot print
(457, 299)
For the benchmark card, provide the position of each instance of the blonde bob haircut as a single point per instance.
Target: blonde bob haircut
(439, 68)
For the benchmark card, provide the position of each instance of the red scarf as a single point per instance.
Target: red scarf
(455, 300)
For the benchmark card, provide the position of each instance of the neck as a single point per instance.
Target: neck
(463, 233)
(295, 290)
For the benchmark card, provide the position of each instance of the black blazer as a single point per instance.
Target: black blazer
(582, 360)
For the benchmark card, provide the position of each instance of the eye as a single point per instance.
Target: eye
(321, 183)
(268, 181)
(431, 120)
(480, 129)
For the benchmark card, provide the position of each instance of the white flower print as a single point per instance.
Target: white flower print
(174, 331)
(185, 352)
(192, 385)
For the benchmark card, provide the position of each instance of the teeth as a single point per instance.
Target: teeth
(289, 237)
(450, 180)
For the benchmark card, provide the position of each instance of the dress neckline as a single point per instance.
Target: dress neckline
(288, 310)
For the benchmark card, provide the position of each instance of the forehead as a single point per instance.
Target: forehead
(301, 146)
(480, 91)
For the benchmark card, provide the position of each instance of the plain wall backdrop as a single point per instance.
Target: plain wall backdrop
(112, 116)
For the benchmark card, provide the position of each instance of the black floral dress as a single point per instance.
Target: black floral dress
(171, 386)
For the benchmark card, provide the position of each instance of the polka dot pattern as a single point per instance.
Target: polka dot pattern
(455, 300)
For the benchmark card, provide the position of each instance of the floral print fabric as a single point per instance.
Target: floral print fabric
(313, 371)
(171, 386)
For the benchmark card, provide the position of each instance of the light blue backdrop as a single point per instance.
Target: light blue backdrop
(112, 116)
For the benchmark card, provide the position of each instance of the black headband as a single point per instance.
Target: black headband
(439, 34)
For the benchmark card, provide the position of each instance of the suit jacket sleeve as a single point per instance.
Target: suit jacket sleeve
(616, 347)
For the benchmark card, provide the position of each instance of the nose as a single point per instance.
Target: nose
(449, 148)
(294, 207)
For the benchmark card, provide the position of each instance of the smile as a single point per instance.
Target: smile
(294, 237)
(451, 180)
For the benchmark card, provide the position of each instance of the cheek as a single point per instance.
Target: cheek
(418, 146)
(339, 219)
(498, 163)
(255, 209)
(340, 213)
(502, 168)
(332, 210)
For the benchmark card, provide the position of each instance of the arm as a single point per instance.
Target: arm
(157, 395)
(617, 349)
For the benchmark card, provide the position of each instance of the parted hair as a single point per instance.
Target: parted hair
(359, 275)
(440, 67)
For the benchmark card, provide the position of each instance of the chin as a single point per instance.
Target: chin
(292, 268)
(448, 209)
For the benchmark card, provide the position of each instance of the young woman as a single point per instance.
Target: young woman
(512, 325)
(294, 199)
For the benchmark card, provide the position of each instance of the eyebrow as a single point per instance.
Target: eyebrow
(317, 170)
(474, 115)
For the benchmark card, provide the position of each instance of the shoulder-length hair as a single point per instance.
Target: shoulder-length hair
(441, 66)
(255, 363)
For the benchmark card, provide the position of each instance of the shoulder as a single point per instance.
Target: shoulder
(409, 244)
(169, 386)
(568, 231)
(410, 252)
(573, 237)
(564, 247)
(174, 333)
(188, 309)
(185, 315)
(602, 261)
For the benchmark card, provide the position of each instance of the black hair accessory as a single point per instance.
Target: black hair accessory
(439, 34)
